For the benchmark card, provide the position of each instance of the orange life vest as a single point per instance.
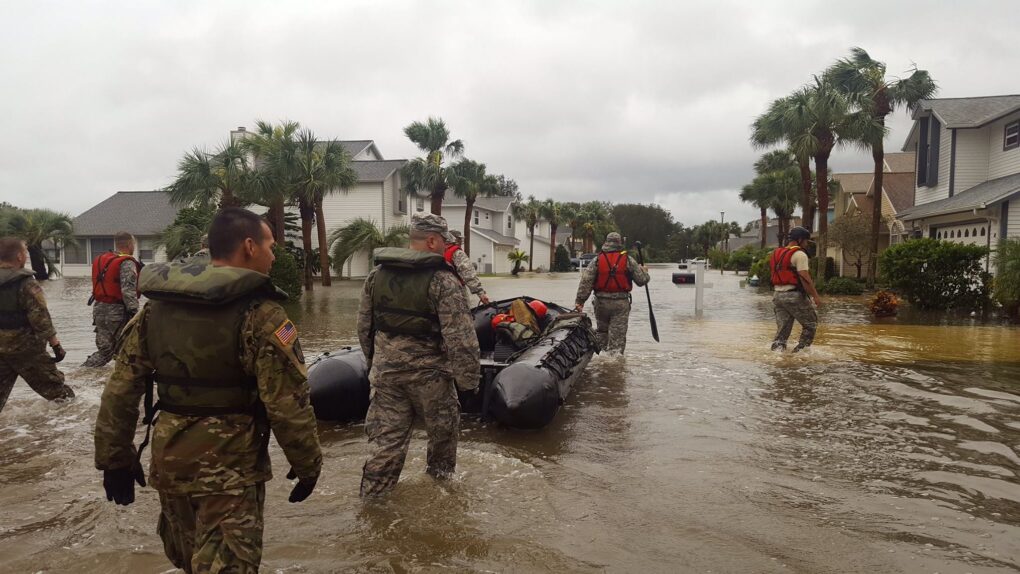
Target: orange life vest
(106, 276)
(781, 265)
(613, 275)
(448, 255)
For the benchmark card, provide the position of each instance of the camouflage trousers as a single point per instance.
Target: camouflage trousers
(38, 370)
(214, 533)
(612, 317)
(396, 400)
(793, 306)
(109, 319)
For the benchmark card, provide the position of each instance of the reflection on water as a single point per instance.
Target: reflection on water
(891, 445)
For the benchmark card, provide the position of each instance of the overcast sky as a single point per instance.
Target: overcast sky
(622, 101)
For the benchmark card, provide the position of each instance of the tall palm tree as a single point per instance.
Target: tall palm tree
(757, 194)
(862, 79)
(469, 180)
(779, 126)
(38, 227)
(555, 213)
(593, 214)
(530, 213)
(320, 168)
(363, 235)
(220, 178)
(571, 214)
(429, 173)
(274, 150)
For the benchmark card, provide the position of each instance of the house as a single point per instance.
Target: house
(856, 194)
(494, 231)
(967, 184)
(144, 214)
(752, 235)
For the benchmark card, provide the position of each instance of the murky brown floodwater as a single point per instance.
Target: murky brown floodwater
(890, 447)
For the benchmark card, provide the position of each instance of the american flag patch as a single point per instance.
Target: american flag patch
(286, 333)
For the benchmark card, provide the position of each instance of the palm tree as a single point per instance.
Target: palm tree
(469, 180)
(780, 125)
(209, 179)
(274, 150)
(363, 235)
(320, 168)
(592, 215)
(38, 227)
(555, 213)
(863, 80)
(517, 257)
(530, 212)
(428, 173)
(757, 194)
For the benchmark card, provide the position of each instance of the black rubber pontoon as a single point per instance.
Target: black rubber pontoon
(519, 388)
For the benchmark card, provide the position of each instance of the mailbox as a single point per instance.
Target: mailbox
(683, 278)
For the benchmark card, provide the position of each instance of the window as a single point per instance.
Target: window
(930, 132)
(509, 222)
(476, 217)
(966, 233)
(419, 204)
(75, 254)
(938, 235)
(982, 232)
(146, 250)
(1011, 136)
(100, 245)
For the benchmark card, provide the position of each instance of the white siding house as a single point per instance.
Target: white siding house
(492, 230)
(967, 187)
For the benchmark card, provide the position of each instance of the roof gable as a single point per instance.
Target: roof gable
(142, 213)
(854, 182)
(900, 162)
(968, 112)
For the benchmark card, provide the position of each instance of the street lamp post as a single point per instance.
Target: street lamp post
(726, 238)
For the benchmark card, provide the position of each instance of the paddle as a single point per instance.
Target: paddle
(651, 315)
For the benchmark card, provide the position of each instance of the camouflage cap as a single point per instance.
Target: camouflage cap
(613, 241)
(457, 235)
(430, 223)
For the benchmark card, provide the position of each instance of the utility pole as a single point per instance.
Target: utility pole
(726, 238)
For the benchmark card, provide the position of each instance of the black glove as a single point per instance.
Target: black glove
(58, 353)
(120, 483)
(304, 487)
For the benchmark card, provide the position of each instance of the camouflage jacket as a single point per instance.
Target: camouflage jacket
(467, 273)
(192, 455)
(589, 273)
(32, 300)
(389, 354)
(129, 286)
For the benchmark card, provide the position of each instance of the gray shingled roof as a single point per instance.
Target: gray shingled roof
(376, 170)
(354, 147)
(854, 182)
(490, 203)
(900, 162)
(137, 212)
(977, 197)
(969, 112)
(495, 237)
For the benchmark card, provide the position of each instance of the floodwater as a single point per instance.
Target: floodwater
(891, 446)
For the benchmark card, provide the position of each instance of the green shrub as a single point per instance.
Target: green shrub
(830, 268)
(286, 273)
(562, 262)
(717, 258)
(935, 274)
(841, 286)
(741, 259)
(1007, 277)
(760, 267)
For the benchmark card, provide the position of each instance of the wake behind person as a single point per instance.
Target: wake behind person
(791, 281)
(228, 369)
(420, 343)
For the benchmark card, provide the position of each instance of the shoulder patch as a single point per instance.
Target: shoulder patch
(286, 333)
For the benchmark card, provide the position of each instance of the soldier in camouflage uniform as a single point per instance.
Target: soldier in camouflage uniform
(228, 368)
(114, 305)
(460, 261)
(25, 328)
(612, 291)
(419, 339)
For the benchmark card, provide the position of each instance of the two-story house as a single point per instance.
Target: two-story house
(493, 230)
(967, 183)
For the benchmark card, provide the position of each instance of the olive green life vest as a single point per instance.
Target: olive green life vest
(12, 315)
(193, 336)
(400, 294)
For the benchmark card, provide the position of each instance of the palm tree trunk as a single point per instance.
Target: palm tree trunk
(307, 217)
(276, 221)
(320, 228)
(531, 250)
(878, 153)
(437, 196)
(822, 183)
(552, 246)
(764, 226)
(470, 204)
(227, 199)
(807, 210)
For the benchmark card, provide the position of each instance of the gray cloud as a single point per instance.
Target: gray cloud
(637, 101)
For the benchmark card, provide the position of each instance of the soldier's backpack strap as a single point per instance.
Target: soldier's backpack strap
(149, 413)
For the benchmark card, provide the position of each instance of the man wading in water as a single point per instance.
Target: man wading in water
(791, 281)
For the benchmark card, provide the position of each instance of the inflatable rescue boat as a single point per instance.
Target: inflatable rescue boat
(523, 383)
